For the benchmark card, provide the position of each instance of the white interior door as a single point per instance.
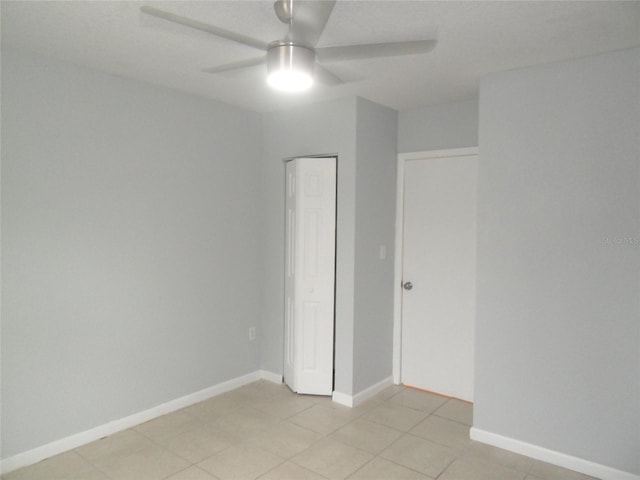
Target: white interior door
(310, 274)
(439, 261)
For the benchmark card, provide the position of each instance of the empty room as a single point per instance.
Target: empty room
(315, 239)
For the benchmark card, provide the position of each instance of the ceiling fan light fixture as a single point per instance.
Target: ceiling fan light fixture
(290, 67)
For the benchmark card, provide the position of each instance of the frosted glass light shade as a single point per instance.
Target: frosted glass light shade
(290, 67)
(290, 80)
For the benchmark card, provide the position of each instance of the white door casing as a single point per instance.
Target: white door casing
(310, 274)
(434, 334)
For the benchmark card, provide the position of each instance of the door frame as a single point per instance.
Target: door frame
(398, 255)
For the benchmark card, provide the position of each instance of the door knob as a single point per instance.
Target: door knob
(407, 285)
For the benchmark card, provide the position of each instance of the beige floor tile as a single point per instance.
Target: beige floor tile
(324, 400)
(214, 407)
(200, 443)
(241, 462)
(61, 467)
(360, 409)
(395, 416)
(149, 464)
(258, 391)
(378, 399)
(465, 469)
(502, 457)
(126, 441)
(94, 474)
(291, 471)
(418, 400)
(245, 422)
(445, 432)
(284, 406)
(546, 471)
(456, 410)
(329, 403)
(286, 439)
(389, 392)
(332, 459)
(273, 388)
(366, 407)
(367, 435)
(323, 419)
(90, 475)
(168, 425)
(419, 454)
(381, 469)
(264, 430)
(192, 473)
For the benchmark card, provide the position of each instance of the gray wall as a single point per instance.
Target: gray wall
(326, 128)
(376, 162)
(142, 234)
(558, 316)
(453, 125)
(130, 234)
(363, 135)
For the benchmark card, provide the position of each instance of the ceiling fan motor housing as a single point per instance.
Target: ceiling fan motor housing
(294, 61)
(290, 56)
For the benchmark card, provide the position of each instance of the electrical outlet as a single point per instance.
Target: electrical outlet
(252, 333)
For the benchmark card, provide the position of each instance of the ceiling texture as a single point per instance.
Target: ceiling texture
(474, 38)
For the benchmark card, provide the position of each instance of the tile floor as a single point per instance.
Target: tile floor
(263, 431)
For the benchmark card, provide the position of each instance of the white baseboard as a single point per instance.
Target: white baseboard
(342, 399)
(76, 440)
(551, 456)
(363, 396)
(270, 376)
(372, 391)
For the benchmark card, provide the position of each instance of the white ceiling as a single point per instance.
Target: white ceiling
(474, 38)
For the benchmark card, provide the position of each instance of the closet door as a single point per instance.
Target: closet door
(310, 274)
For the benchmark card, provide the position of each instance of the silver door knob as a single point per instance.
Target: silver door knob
(407, 285)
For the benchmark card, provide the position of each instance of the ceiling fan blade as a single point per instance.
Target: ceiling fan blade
(251, 62)
(205, 27)
(374, 50)
(309, 20)
(326, 77)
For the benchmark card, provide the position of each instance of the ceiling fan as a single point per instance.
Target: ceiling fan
(294, 61)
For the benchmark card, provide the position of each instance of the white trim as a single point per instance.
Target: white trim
(372, 391)
(342, 399)
(551, 456)
(78, 439)
(430, 154)
(397, 274)
(363, 396)
(397, 280)
(270, 376)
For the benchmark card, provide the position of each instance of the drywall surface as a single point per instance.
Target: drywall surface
(558, 316)
(130, 239)
(453, 125)
(376, 163)
(363, 135)
(324, 128)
